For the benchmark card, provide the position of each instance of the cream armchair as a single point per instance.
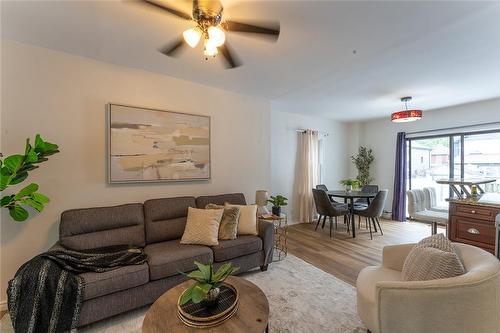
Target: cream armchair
(469, 303)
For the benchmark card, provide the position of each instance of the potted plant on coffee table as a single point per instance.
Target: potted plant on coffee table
(277, 201)
(206, 288)
(350, 184)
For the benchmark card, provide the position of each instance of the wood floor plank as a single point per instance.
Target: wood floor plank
(344, 256)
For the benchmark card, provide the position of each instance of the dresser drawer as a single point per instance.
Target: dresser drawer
(469, 231)
(476, 212)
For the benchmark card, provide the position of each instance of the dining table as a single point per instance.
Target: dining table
(350, 196)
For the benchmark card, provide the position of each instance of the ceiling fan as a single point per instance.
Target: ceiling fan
(210, 28)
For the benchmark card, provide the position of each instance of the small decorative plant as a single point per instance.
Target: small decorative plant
(277, 201)
(350, 184)
(362, 161)
(206, 287)
(14, 170)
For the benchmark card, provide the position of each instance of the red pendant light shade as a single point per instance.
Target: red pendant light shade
(406, 115)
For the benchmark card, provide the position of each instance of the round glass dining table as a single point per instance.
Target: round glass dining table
(351, 195)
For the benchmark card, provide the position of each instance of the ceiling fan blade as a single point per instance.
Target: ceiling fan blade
(173, 48)
(232, 60)
(163, 7)
(272, 31)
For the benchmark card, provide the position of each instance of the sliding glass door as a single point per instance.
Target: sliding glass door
(429, 161)
(462, 155)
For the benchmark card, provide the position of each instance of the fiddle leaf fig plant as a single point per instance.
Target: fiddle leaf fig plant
(14, 170)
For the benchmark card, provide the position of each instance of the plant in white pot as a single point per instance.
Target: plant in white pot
(350, 184)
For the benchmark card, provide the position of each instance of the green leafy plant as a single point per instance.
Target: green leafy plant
(350, 182)
(278, 200)
(205, 281)
(14, 170)
(362, 161)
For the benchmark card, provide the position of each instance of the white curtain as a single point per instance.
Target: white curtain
(306, 174)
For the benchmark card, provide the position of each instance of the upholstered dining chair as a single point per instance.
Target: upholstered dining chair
(373, 211)
(326, 208)
(364, 202)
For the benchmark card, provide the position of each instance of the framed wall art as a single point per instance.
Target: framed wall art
(147, 145)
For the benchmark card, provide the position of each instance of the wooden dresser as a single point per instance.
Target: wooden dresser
(473, 223)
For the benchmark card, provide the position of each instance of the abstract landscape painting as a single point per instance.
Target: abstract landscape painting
(148, 145)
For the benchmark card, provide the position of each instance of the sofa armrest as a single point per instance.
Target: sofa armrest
(56, 246)
(266, 233)
(394, 256)
(444, 305)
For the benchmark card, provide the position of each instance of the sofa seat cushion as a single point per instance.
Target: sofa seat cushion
(122, 278)
(243, 245)
(168, 258)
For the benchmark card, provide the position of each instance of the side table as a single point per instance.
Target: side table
(280, 229)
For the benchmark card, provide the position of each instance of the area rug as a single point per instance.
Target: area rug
(302, 298)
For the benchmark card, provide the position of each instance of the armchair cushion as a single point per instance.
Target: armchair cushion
(429, 263)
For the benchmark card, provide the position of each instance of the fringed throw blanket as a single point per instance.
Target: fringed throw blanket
(46, 293)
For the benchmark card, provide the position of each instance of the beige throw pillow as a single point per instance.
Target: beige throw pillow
(202, 226)
(228, 227)
(432, 258)
(247, 224)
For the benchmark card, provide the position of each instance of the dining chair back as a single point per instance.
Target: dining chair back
(325, 208)
(322, 187)
(374, 211)
(367, 189)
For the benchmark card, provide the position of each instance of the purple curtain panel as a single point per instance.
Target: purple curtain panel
(399, 198)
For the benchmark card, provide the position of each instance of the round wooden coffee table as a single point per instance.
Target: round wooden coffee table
(252, 315)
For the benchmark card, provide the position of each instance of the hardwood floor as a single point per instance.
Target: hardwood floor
(344, 256)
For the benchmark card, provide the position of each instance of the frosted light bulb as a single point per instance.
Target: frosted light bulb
(216, 36)
(192, 36)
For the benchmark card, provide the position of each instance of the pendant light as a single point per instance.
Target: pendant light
(406, 115)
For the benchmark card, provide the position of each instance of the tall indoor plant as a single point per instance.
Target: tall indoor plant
(14, 170)
(362, 161)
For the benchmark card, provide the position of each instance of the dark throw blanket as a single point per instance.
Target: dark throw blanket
(46, 293)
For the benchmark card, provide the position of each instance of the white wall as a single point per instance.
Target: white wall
(284, 151)
(380, 135)
(63, 97)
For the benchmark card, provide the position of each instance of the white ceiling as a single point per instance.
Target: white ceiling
(442, 53)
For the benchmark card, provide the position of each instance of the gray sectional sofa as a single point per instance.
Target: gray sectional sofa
(157, 226)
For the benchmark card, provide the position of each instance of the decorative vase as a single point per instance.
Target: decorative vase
(277, 210)
(212, 298)
(348, 188)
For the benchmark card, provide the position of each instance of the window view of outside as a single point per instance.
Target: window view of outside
(430, 160)
(482, 158)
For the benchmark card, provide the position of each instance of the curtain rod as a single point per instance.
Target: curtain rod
(453, 128)
(320, 132)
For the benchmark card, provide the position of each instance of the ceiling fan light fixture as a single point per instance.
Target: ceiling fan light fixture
(210, 49)
(192, 36)
(216, 36)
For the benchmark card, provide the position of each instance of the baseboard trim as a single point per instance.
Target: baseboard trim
(3, 306)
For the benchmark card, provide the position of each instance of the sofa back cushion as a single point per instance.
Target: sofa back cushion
(90, 228)
(166, 218)
(232, 198)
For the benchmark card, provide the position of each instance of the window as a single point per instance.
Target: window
(465, 155)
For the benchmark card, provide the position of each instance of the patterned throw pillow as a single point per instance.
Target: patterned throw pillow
(202, 226)
(247, 223)
(229, 224)
(432, 258)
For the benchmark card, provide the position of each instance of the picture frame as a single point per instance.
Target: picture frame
(148, 145)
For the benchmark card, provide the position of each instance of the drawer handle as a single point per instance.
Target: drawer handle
(473, 231)
(473, 211)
